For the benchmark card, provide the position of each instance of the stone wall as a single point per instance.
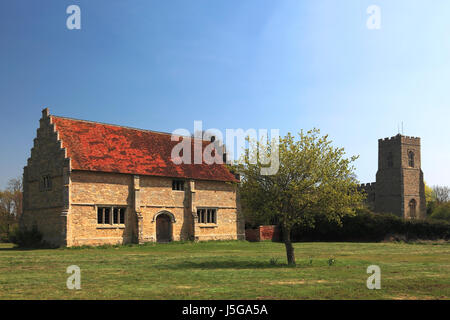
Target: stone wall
(397, 184)
(90, 190)
(369, 189)
(156, 196)
(223, 197)
(66, 212)
(44, 207)
(388, 196)
(145, 197)
(413, 182)
(262, 233)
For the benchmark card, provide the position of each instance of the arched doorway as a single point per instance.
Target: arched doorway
(412, 209)
(163, 228)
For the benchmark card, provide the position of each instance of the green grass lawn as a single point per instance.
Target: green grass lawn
(228, 270)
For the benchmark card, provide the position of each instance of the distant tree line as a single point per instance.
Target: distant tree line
(438, 203)
(10, 207)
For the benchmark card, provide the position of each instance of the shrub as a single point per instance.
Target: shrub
(273, 261)
(5, 231)
(368, 226)
(427, 229)
(331, 261)
(442, 212)
(4, 238)
(27, 238)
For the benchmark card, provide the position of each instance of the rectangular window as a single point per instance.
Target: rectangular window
(122, 215)
(116, 216)
(411, 159)
(106, 212)
(99, 215)
(46, 183)
(178, 185)
(207, 215)
(214, 216)
(111, 215)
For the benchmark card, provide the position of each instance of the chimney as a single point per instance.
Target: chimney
(45, 113)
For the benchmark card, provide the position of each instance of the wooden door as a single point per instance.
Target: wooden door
(163, 228)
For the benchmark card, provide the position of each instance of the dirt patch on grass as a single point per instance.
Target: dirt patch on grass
(294, 282)
(408, 297)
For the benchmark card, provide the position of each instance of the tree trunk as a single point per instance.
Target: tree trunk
(289, 248)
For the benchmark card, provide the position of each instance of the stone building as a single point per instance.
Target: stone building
(88, 183)
(399, 186)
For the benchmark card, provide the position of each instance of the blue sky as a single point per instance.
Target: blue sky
(285, 64)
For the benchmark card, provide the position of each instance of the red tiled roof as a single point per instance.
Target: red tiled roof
(108, 148)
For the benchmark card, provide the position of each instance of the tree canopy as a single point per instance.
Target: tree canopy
(313, 176)
(10, 205)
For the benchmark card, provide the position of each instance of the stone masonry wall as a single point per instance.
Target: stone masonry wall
(399, 183)
(222, 196)
(146, 197)
(66, 212)
(388, 196)
(90, 190)
(413, 183)
(46, 208)
(261, 233)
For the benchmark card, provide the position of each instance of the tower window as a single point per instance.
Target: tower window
(412, 209)
(411, 159)
(390, 160)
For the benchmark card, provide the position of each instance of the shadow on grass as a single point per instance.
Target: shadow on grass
(229, 264)
(17, 248)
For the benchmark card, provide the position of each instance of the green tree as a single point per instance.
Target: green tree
(442, 212)
(313, 177)
(10, 205)
(430, 199)
(428, 193)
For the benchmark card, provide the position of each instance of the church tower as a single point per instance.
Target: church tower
(400, 188)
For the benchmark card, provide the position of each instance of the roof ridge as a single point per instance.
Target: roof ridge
(121, 126)
(89, 146)
(111, 124)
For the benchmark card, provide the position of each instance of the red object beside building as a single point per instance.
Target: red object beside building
(263, 233)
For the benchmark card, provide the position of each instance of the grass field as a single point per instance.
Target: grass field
(228, 270)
